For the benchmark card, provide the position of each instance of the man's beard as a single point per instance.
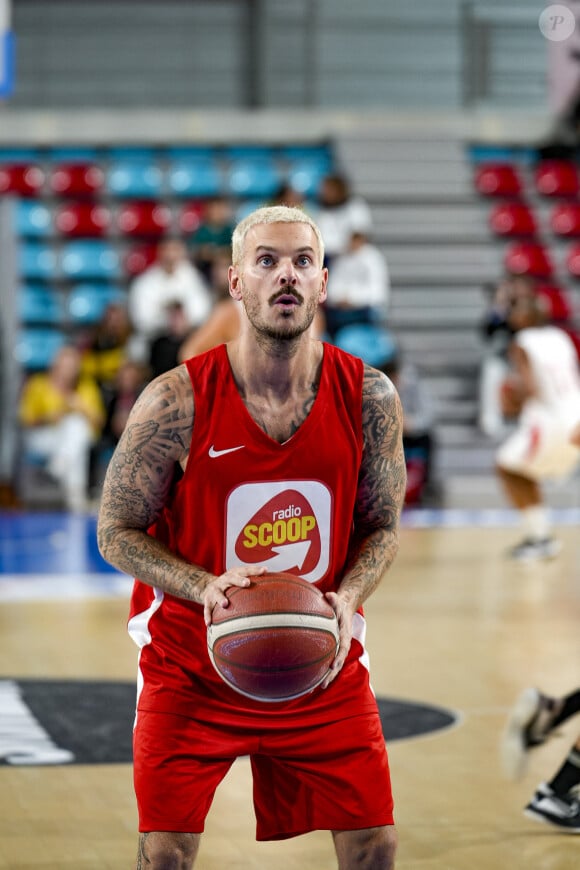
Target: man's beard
(279, 333)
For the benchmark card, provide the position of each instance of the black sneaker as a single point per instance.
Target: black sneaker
(562, 811)
(535, 549)
(529, 724)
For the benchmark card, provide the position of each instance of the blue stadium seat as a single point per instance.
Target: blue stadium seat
(316, 153)
(19, 155)
(36, 261)
(139, 153)
(87, 302)
(247, 206)
(373, 344)
(90, 259)
(191, 152)
(134, 178)
(195, 177)
(253, 177)
(33, 219)
(38, 304)
(306, 173)
(249, 152)
(36, 348)
(74, 154)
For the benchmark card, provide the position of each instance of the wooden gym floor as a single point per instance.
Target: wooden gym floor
(454, 625)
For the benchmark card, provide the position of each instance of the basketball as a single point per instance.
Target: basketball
(276, 640)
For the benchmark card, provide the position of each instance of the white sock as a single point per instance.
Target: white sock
(535, 521)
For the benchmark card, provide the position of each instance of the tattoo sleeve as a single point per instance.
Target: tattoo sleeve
(381, 489)
(156, 439)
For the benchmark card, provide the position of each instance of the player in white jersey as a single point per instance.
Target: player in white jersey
(547, 381)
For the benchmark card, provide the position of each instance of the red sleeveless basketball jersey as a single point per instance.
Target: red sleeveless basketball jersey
(246, 499)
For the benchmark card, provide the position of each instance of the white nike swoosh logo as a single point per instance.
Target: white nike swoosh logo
(213, 453)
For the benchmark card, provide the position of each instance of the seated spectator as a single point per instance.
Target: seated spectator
(214, 234)
(376, 346)
(418, 425)
(130, 380)
(339, 214)
(61, 413)
(358, 286)
(105, 349)
(172, 278)
(164, 349)
(288, 195)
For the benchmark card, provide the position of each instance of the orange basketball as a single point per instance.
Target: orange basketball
(276, 640)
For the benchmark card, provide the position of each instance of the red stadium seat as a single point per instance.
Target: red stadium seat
(498, 179)
(556, 178)
(139, 258)
(573, 261)
(565, 219)
(190, 217)
(77, 179)
(144, 219)
(557, 303)
(512, 219)
(528, 258)
(21, 179)
(82, 219)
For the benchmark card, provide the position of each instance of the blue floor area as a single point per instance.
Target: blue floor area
(66, 545)
(49, 543)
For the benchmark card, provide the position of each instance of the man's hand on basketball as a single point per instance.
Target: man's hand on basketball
(214, 592)
(343, 607)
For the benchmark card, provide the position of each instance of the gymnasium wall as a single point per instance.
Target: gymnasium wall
(337, 54)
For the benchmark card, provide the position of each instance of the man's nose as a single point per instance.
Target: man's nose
(287, 274)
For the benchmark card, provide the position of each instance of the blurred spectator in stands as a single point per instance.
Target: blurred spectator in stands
(214, 233)
(165, 347)
(61, 413)
(377, 347)
(339, 214)
(104, 349)
(130, 380)
(418, 429)
(172, 278)
(358, 286)
(288, 195)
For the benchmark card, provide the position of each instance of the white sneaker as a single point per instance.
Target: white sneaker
(535, 549)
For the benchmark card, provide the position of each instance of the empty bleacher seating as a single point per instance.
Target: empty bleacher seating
(82, 219)
(556, 178)
(90, 258)
(512, 219)
(498, 179)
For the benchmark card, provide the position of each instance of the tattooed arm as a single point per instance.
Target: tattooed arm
(156, 438)
(380, 497)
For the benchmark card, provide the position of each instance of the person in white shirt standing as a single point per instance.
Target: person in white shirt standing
(171, 280)
(545, 386)
(359, 287)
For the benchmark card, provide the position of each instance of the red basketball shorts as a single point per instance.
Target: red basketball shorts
(328, 777)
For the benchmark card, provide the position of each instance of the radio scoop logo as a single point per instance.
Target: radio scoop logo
(283, 534)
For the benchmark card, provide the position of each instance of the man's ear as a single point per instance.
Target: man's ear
(323, 291)
(234, 281)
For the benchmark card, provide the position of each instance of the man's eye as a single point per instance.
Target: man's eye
(266, 261)
(304, 261)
